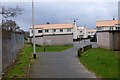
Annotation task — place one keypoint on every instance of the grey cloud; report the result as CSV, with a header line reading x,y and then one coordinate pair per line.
x,y
62,12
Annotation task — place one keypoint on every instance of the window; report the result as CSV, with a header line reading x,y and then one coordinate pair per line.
x,y
80,31
54,30
61,30
111,28
46,30
116,28
69,30
31,31
39,31
100,28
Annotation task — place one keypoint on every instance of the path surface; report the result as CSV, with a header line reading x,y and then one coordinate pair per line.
x,y
59,65
83,43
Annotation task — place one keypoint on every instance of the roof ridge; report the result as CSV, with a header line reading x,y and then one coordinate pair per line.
x,y
108,20
52,24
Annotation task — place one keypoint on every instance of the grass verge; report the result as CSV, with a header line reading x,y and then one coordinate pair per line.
x,y
102,62
21,67
53,48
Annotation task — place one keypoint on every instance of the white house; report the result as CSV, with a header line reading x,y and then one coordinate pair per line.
x,y
84,32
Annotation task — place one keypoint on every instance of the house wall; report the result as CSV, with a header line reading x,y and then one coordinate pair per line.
x,y
112,40
75,34
117,40
108,28
85,32
109,40
103,39
38,40
54,40
58,40
51,32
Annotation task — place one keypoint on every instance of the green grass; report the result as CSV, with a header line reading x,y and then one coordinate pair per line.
x,y
53,48
101,61
23,61
20,68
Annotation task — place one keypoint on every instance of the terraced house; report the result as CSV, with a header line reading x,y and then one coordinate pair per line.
x,y
53,34
108,34
84,32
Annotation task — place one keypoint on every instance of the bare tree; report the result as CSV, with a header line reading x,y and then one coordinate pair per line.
x,y
10,12
10,25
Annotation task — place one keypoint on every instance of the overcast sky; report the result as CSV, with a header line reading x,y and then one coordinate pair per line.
x,y
62,12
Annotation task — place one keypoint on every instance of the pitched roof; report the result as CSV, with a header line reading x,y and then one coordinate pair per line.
x,y
107,23
53,26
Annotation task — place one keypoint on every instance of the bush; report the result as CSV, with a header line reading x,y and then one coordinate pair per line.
x,y
79,52
85,48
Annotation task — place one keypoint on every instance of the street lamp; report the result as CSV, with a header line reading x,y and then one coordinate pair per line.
x,y
34,47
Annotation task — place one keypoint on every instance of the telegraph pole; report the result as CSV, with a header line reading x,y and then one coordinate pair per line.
x,y
34,47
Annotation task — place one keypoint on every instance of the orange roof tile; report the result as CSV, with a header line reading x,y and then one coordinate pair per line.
x,y
53,26
107,23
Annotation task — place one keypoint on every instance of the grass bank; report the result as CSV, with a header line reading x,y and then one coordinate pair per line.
x,y
102,62
21,67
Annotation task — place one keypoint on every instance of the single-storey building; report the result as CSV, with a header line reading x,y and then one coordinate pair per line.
x,y
108,34
53,34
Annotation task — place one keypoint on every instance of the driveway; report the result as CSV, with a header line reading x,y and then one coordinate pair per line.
x,y
59,65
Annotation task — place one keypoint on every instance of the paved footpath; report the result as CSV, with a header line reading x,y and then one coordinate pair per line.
x,y
59,65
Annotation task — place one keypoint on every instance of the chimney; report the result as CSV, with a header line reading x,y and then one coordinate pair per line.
x,y
113,18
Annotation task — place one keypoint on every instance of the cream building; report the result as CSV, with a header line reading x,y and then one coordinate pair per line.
x,y
84,32
108,25
53,34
